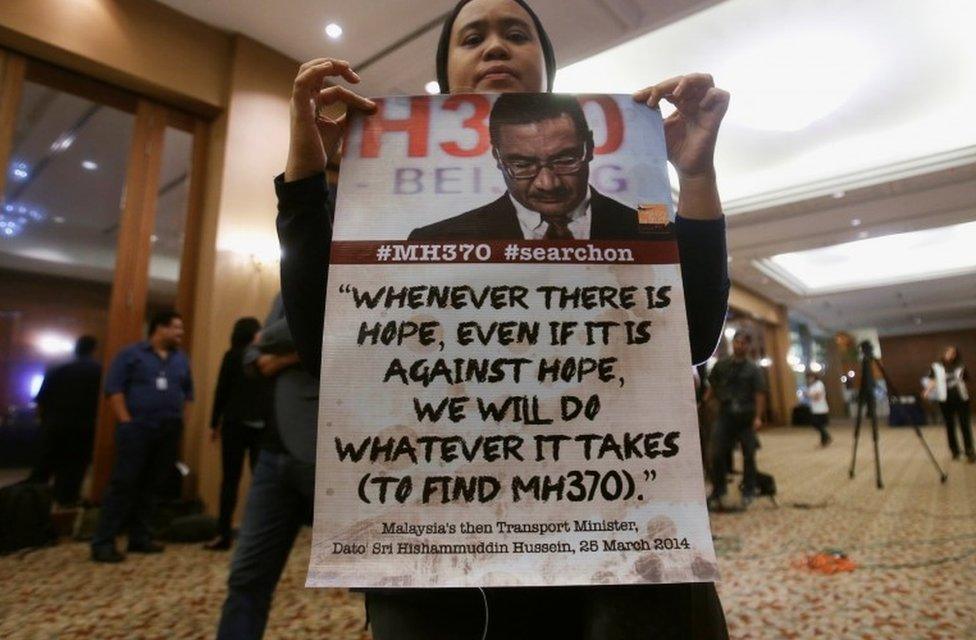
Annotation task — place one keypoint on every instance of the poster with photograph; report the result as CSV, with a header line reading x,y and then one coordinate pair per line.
x,y
507,393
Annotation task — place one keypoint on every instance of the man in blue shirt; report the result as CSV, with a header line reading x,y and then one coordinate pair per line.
x,y
148,386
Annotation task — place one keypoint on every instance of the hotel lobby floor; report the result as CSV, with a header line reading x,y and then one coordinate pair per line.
x,y
914,544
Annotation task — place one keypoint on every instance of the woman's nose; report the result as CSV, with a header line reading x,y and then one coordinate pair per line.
x,y
496,48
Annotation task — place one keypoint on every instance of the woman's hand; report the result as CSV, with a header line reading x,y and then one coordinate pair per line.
x,y
690,134
691,131
315,137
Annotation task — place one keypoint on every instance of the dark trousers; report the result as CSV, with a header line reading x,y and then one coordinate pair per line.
x,y
66,450
236,441
819,422
955,407
638,612
278,504
145,453
729,429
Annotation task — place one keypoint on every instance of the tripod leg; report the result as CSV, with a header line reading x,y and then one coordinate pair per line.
x,y
857,434
873,413
942,474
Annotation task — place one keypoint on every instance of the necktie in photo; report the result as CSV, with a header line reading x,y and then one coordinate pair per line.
x,y
558,228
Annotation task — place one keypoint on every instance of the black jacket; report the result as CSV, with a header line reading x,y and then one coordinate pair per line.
x,y
239,397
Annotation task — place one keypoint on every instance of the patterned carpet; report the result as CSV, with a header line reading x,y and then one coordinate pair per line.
x,y
914,544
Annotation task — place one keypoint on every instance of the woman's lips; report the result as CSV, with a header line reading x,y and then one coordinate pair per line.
x,y
497,73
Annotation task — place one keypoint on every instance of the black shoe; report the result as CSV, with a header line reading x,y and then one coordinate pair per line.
x,y
971,457
825,442
220,544
145,547
955,455
109,555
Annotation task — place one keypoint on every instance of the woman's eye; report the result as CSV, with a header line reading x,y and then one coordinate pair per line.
x,y
471,40
518,36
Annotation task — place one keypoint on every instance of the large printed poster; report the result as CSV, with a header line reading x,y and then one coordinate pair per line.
x,y
506,380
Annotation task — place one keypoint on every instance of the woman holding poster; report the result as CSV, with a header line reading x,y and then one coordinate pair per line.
x,y
500,46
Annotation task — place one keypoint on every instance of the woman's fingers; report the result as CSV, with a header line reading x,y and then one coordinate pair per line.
x,y
676,90
334,94
652,95
312,74
716,100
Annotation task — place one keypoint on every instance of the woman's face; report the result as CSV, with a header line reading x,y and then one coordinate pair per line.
x,y
949,354
495,47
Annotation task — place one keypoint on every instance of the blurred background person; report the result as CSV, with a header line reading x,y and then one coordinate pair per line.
x,y
148,386
740,387
947,385
816,394
240,413
67,405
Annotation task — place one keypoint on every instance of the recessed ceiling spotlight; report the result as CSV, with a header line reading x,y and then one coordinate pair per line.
x,y
62,143
153,238
58,219
432,87
89,165
862,235
333,30
838,194
856,222
19,171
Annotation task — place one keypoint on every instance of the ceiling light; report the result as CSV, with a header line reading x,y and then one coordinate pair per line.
x,y
862,235
837,195
333,30
856,222
19,171
905,257
62,143
850,374
89,165
816,367
154,238
766,362
58,219
432,87
765,104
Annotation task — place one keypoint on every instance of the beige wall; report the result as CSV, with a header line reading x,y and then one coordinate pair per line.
x,y
137,44
239,275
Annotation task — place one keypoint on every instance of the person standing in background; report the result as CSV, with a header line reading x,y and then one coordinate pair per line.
x,y
67,405
148,386
740,387
948,378
240,413
819,410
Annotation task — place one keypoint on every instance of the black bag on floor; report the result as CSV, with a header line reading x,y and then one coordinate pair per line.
x,y
766,485
25,517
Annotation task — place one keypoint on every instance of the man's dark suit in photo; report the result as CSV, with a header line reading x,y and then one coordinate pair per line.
x,y
498,220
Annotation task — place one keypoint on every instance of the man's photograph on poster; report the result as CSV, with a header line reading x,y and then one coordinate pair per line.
x,y
517,166
543,147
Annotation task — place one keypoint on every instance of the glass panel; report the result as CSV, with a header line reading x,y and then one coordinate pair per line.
x,y
59,221
170,226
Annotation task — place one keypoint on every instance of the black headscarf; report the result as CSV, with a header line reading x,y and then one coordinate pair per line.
x,y
444,45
